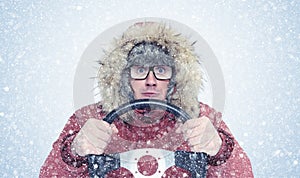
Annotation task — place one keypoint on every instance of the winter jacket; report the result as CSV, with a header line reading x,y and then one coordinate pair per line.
x,y
230,161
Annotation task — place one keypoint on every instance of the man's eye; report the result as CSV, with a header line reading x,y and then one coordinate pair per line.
x,y
161,70
141,70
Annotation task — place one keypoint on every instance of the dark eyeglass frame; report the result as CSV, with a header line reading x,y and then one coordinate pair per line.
x,y
151,69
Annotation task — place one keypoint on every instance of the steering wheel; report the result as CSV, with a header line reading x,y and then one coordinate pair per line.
x,y
194,162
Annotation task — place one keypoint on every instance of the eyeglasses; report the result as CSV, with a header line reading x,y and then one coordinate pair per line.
x,y
142,72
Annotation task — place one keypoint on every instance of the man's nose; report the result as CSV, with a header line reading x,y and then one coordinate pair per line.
x,y
151,80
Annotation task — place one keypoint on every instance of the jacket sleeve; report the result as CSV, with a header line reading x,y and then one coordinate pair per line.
x,y
231,160
61,162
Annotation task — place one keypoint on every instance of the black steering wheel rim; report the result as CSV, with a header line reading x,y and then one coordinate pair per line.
x,y
145,104
195,163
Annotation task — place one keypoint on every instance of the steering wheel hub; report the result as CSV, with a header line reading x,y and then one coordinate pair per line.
x,y
148,162
147,165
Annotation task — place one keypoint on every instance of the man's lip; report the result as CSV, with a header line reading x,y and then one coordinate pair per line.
x,y
149,94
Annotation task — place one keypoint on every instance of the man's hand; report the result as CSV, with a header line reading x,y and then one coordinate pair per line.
x,y
201,135
93,137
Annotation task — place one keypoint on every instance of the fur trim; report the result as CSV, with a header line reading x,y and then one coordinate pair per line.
x,y
187,65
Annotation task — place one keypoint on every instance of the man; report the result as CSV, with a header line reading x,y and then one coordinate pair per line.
x,y
149,61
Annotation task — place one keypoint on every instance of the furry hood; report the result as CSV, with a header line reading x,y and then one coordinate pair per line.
x,y
187,66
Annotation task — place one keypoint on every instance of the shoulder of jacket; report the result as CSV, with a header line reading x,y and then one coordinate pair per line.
x,y
214,116
89,111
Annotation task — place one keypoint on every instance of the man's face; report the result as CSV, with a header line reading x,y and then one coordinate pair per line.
x,y
150,88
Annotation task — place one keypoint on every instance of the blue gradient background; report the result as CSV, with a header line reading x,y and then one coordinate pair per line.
x,y
256,43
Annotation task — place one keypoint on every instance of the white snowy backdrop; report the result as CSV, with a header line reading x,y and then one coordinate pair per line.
x,y
256,43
